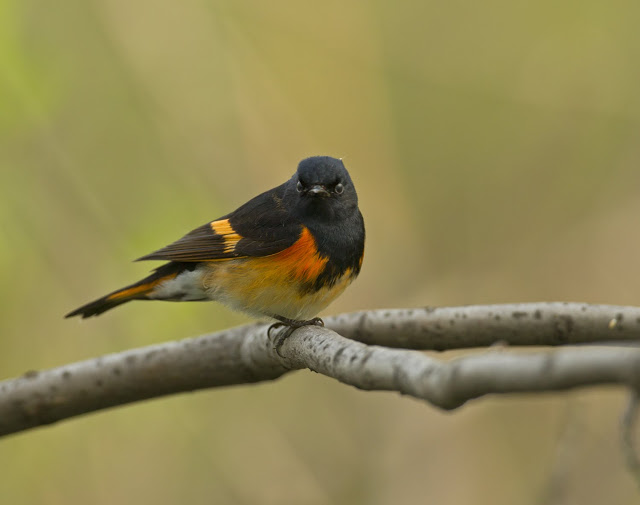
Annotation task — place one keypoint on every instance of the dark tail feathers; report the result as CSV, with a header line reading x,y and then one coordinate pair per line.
x,y
137,291
97,307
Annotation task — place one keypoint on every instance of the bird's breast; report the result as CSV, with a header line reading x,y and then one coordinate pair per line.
x,y
297,282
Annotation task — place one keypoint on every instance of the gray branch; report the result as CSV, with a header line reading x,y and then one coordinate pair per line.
x,y
445,328
245,355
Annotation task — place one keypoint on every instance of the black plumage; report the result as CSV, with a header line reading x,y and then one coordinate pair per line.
x,y
319,201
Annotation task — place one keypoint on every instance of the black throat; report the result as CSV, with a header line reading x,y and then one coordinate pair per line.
x,y
342,242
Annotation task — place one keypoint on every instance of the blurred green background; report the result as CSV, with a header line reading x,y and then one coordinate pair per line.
x,y
495,147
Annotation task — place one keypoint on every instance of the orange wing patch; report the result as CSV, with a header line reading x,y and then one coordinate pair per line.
x,y
229,235
276,284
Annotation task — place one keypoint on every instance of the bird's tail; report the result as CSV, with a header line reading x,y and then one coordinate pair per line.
x,y
138,291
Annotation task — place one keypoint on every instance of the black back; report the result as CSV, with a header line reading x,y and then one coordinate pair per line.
x,y
319,196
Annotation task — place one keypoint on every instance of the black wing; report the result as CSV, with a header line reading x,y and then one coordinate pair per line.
x,y
261,227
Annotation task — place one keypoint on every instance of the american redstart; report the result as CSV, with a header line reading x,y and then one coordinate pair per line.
x,y
285,254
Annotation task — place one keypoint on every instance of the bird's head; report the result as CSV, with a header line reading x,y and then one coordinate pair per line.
x,y
322,187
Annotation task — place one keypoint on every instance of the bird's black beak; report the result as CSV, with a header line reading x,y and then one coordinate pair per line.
x,y
318,190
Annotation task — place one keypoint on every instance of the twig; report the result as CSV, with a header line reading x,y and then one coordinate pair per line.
x,y
555,490
629,422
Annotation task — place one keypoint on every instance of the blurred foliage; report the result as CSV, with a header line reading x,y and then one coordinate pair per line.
x,y
495,149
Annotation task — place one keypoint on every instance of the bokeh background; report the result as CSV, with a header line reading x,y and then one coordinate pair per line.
x,y
495,146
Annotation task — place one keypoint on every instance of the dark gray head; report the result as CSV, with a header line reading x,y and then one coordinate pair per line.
x,y
323,188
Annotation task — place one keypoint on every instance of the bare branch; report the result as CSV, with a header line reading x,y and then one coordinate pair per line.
x,y
444,328
244,355
449,385
238,356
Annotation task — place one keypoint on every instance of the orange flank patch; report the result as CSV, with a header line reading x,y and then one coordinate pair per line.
x,y
229,235
140,289
302,258
276,284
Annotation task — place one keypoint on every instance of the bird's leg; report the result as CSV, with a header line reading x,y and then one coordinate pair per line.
x,y
292,325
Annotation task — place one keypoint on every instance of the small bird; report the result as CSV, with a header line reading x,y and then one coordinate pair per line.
x,y
285,254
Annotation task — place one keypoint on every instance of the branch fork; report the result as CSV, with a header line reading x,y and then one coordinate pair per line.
x,y
370,350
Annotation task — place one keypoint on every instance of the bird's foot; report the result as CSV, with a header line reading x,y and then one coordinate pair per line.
x,y
292,325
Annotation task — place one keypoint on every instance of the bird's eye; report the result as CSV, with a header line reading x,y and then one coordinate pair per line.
x,y
339,188
299,187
